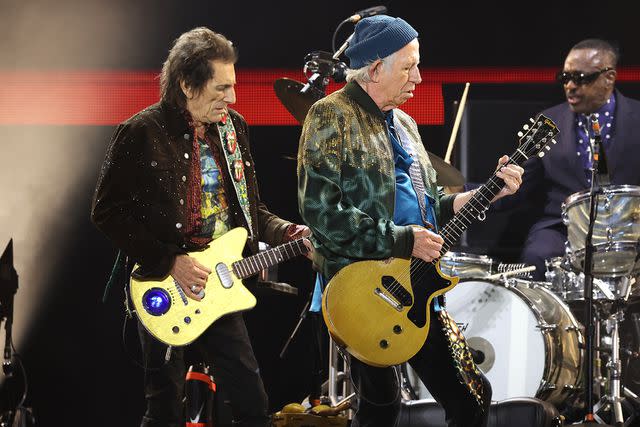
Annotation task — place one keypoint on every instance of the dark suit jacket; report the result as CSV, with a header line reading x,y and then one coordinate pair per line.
x,y
560,173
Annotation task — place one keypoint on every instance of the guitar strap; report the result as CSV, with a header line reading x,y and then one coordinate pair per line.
x,y
118,265
233,157
468,372
415,173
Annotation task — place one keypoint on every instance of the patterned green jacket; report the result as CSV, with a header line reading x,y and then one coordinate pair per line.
x,y
346,181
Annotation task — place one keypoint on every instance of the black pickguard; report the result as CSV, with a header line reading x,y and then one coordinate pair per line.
x,y
425,281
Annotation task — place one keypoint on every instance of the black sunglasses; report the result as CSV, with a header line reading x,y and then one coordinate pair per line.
x,y
578,77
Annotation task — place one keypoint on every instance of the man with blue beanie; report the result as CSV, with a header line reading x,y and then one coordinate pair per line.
x,y
364,182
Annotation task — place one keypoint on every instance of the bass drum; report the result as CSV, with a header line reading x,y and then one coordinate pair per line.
x,y
526,340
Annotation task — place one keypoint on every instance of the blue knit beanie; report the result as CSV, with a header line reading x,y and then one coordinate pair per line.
x,y
377,37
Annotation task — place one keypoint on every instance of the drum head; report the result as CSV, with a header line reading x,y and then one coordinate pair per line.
x,y
501,326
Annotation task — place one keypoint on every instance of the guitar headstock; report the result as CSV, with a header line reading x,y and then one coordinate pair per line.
x,y
537,136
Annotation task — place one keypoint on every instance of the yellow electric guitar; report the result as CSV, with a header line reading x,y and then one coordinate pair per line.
x,y
175,319
378,310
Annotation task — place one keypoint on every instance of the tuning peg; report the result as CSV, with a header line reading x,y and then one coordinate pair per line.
x,y
541,154
547,147
554,141
531,120
525,127
520,134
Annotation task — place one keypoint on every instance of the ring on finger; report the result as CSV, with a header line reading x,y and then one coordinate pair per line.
x,y
193,288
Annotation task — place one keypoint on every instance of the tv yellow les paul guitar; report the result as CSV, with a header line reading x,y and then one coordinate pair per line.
x,y
175,319
379,309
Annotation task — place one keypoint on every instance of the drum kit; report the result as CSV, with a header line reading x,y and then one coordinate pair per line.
x,y
525,335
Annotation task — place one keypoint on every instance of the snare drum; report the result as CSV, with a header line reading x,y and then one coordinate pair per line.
x,y
527,340
466,265
616,231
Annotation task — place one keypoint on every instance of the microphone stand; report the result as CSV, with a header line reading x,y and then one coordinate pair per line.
x,y
594,192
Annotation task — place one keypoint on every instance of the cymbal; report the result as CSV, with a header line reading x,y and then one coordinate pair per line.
x,y
447,175
295,101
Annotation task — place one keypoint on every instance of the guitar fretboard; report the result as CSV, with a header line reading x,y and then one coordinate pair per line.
x,y
531,144
254,264
475,208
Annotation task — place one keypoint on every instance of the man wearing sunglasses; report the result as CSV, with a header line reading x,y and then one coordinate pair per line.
x,y
588,79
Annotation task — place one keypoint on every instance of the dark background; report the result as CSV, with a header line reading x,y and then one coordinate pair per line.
x,y
79,354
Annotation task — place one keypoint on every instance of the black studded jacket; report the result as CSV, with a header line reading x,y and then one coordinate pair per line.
x,y
140,201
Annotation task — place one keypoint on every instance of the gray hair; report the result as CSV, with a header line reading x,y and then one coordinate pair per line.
x,y
361,74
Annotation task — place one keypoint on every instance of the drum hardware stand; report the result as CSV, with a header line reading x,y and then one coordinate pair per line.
x,y
595,190
301,317
339,378
614,400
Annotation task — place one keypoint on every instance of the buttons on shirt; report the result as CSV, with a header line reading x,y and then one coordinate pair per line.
x,y
184,178
154,163
178,225
187,136
186,155
182,201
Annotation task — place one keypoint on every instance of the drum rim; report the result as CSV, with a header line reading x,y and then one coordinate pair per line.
x,y
465,256
577,257
549,364
633,190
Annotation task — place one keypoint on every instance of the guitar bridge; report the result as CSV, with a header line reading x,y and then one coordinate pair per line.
x,y
183,297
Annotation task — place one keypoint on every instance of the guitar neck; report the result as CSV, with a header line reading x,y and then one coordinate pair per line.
x,y
252,265
476,207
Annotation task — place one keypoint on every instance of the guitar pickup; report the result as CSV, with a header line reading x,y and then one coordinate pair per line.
x,y
224,275
397,291
387,299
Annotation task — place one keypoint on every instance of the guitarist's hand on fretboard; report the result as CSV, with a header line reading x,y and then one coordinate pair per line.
x,y
309,246
511,175
426,244
298,231
190,275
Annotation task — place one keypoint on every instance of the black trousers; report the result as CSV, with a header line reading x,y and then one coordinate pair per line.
x,y
378,389
225,347
542,245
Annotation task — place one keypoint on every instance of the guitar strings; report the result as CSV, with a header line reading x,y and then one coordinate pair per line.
x,y
244,268
418,268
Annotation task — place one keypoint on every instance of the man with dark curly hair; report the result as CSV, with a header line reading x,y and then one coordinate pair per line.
x,y
178,175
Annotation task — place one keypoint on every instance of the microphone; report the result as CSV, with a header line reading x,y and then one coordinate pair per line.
x,y
375,10
599,154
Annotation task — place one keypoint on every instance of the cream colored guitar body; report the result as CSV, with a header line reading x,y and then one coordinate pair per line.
x,y
372,309
175,319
